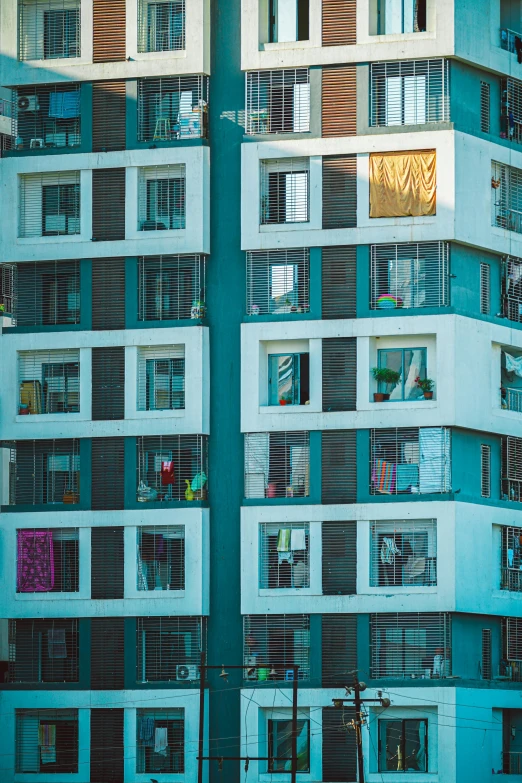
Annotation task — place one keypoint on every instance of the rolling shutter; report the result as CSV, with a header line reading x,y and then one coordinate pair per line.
x,y
107,653
108,383
339,649
108,205
107,562
339,282
108,301
339,101
108,116
107,464
340,191
339,22
108,31
107,752
339,550
340,374
339,746
339,467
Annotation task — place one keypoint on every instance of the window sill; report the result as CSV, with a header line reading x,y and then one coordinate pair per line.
x,y
170,413
49,417
278,410
51,596
406,404
268,592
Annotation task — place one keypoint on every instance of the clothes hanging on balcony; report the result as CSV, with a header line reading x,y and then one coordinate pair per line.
x,y
284,553
383,476
35,566
403,184
297,539
147,732
160,741
389,550
47,743
167,473
56,645
64,105
513,364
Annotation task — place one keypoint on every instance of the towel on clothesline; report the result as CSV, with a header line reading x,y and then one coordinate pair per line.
x,y
56,646
298,539
48,754
64,105
383,476
167,473
160,741
147,735
283,540
46,734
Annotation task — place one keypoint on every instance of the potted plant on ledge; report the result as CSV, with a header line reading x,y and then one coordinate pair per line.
x,y
387,376
426,386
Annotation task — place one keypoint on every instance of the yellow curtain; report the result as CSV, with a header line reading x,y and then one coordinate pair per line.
x,y
403,184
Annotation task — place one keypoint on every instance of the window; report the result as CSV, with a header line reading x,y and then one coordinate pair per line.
x,y
47,561
512,288
410,460
409,275
506,197
172,108
43,650
44,472
161,557
49,204
278,101
279,641
285,191
406,645
172,467
484,289
280,745
289,379
511,662
46,116
48,29
409,93
277,464
511,109
49,382
278,281
486,654
8,280
511,469
172,758
162,198
403,553
484,107
511,559
410,363
161,378
288,20
46,741
161,25
284,555
169,648
403,745
46,293
171,287
401,16
485,471
403,184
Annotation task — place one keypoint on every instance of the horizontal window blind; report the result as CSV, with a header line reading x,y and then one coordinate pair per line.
x,y
48,29
410,460
339,22
107,653
8,289
49,204
45,293
172,108
108,383
108,116
338,284
171,287
161,25
485,107
43,651
485,470
161,378
511,283
339,558
506,196
511,468
486,668
44,472
277,464
512,646
107,474
339,101
284,551
339,649
46,741
510,112
403,552
339,466
46,116
161,197
340,191
339,749
108,36
511,559
413,92
49,381
278,101
410,275
108,204
339,357
108,301
107,749
278,281
107,555
172,468
410,644
173,721
279,641
285,186
161,557
169,648
47,560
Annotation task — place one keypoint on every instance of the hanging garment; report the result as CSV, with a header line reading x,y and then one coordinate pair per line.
x,y
64,105
283,539
383,476
167,473
142,569
198,482
56,646
297,539
160,741
35,566
48,754
388,551
510,555
414,566
403,184
46,734
513,364
285,557
147,733
407,477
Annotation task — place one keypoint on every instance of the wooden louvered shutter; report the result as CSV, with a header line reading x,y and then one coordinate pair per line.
x,y
339,22
107,653
340,374
108,293
108,383
108,204
107,471
108,116
107,748
339,101
108,31
107,561
339,466
339,282
340,191
339,549
339,746
339,649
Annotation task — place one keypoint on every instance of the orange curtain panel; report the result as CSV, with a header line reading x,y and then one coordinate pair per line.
x,y
403,184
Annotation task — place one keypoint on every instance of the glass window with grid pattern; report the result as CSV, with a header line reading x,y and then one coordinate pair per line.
x,y
403,745
161,557
49,381
48,29
280,745
403,553
410,364
160,741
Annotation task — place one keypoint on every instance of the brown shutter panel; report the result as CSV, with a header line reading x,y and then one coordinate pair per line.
x,y
107,749
339,748
108,116
108,31
108,204
108,383
339,101
107,553
340,191
339,281
108,286
339,22
339,466
107,470
340,374
339,649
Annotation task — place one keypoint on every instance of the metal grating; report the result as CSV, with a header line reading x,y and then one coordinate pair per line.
x,y
43,651
147,721
161,25
410,460
107,653
506,196
108,285
48,29
338,466
339,649
47,560
339,23
172,108
512,288
339,358
44,293
46,116
485,470
108,204
44,472
107,757
107,463
108,34
340,191
171,287
511,469
285,186
34,750
8,289
278,281
49,204
485,288
511,559
278,101
485,102
161,378
169,648
403,552
108,383
339,750
161,197
278,641
414,92
284,555
510,109
161,557
48,381
410,645
338,285
339,101
511,664
409,275
172,468
486,666
277,464
339,558
108,116
107,555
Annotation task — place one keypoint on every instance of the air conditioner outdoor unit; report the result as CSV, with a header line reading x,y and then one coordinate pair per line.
x,y
28,103
184,672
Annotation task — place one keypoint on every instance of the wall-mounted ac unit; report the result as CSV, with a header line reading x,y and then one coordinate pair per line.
x,y
27,103
184,672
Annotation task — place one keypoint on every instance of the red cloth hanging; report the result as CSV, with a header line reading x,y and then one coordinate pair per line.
x,y
167,473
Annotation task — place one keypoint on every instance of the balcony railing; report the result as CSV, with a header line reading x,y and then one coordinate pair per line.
x,y
6,108
511,399
512,763
511,579
508,38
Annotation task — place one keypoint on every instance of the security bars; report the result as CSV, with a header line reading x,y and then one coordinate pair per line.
x,y
409,275
511,664
512,288
48,29
285,185
485,113
42,651
161,557
410,460
169,648
511,109
403,553
172,108
284,555
277,464
46,116
161,197
161,25
45,293
278,101
506,197
171,287
486,654
50,204
511,559
46,741
44,472
278,281
410,644
511,469
414,92
172,468
485,288
172,760
161,378
278,641
7,289
47,560
49,381
485,470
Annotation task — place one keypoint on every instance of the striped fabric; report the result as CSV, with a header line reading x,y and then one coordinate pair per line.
x,y
383,476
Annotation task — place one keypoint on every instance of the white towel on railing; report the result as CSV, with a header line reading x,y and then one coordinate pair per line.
x,y
160,741
297,539
513,364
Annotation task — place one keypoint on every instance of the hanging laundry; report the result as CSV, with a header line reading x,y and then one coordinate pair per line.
x,y
47,742
147,733
56,646
297,539
160,741
35,566
513,364
64,105
389,550
167,473
383,476
283,539
198,482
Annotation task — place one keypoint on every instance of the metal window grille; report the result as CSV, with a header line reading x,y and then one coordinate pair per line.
x,y
169,648
339,360
46,116
511,559
161,557
338,648
339,749
486,654
48,29
50,204
161,378
43,650
44,472
339,100
339,558
339,282
172,467
171,287
161,25
278,101
284,551
49,381
277,464
511,109
278,281
35,751
108,204
414,92
47,560
403,552
147,721
108,383
279,641
107,746
410,460
108,281
410,275
107,558
172,108
339,173
8,281
485,470
285,186
485,288
511,468
410,644
506,198
161,198
485,120
45,293
107,655
512,288
511,665
338,466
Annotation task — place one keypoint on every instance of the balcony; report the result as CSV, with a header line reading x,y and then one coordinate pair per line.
x,y
277,465
169,648
43,651
171,287
171,108
410,461
403,553
512,288
44,472
409,276
508,40
278,642
278,282
511,469
172,468
278,101
511,660
46,117
506,201
410,645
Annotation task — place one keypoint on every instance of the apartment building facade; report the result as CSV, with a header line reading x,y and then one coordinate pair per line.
x,y
261,307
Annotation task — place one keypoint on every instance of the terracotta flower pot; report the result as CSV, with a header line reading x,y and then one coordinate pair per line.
x,y
428,395
283,402
378,397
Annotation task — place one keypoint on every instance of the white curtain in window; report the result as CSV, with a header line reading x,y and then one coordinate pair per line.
x,y
256,464
296,193
301,108
434,467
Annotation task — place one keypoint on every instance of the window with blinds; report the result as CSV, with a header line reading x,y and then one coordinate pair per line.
x,y
285,186
48,29
161,198
414,92
277,464
403,552
511,288
161,25
511,664
511,469
339,358
49,204
278,641
44,472
506,196
410,644
169,648
410,460
161,378
485,123
278,281
108,31
48,381
172,468
46,116
409,275
161,557
45,293
510,110
338,23
485,470
338,466
511,559
278,101
486,667
339,649
284,552
8,290
339,558
171,287
485,288
47,560
172,108
172,720
46,741
339,191
43,651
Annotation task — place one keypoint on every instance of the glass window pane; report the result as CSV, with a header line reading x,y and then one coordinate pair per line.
x,y
282,379
280,742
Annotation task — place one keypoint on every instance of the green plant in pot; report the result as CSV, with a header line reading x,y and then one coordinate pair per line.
x,y
386,376
426,386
